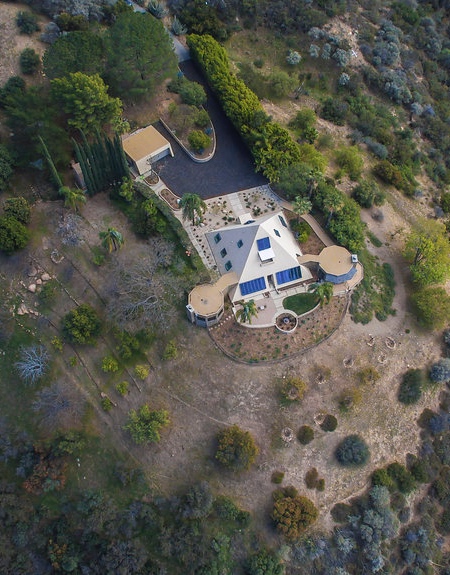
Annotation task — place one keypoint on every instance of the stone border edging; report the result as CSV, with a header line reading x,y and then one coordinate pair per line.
x,y
294,355
180,143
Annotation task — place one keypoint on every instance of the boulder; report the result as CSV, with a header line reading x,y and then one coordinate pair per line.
x,y
32,288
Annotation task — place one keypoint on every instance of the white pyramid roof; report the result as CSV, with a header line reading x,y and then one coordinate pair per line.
x,y
257,249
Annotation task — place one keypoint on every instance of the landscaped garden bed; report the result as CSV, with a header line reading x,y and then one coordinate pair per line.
x,y
170,198
269,344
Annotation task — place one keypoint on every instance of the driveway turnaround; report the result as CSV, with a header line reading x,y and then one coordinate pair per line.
x,y
230,170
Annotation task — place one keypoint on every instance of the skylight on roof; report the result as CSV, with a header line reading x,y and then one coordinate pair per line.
x,y
263,244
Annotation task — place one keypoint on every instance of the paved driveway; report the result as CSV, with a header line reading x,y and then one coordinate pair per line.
x,y
231,168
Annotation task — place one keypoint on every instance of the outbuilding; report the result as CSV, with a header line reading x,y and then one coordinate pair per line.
x,y
144,147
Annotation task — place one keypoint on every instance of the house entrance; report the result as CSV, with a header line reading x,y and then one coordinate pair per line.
x,y
270,281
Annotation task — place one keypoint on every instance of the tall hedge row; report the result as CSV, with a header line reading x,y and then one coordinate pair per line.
x,y
271,144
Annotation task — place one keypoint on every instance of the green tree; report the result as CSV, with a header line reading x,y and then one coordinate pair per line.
x,y
74,52
29,61
111,239
350,161
428,251
247,311
292,513
323,291
192,206
298,180
198,140
144,425
86,102
74,199
432,307
236,448
410,389
13,235
6,170
82,324
332,201
140,56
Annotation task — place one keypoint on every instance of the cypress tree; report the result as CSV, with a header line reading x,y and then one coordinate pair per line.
x,y
85,168
54,172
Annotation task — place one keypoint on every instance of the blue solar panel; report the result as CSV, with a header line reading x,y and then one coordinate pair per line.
x,y
288,275
263,244
252,286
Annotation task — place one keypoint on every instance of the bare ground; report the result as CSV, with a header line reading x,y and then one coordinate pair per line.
x,y
12,43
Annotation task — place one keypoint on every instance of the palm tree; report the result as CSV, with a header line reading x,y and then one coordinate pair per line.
x,y
111,239
324,291
247,311
300,206
73,199
333,202
192,206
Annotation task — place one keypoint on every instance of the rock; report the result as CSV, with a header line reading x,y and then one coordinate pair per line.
x,y
32,271
39,282
32,288
22,310
45,277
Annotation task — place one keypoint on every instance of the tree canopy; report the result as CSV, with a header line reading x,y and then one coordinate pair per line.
x,y
428,251
139,54
77,51
86,101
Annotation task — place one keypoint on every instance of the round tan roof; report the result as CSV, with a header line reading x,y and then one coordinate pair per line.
x,y
206,299
335,260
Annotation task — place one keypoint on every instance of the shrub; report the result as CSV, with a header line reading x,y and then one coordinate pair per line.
x,y
440,372
170,351
142,371
277,477
27,22
349,398
18,208
13,235
402,477
292,513
198,140
368,193
329,423
192,93
145,424
419,470
6,161
334,111
410,389
82,325
202,119
390,174
122,388
350,161
305,434
352,451
293,389
341,512
106,403
380,477
177,27
311,478
293,58
236,448
29,61
156,9
110,364
301,229
320,486
227,509
264,563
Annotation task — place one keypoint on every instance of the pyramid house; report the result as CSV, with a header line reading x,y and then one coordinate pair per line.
x,y
252,258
